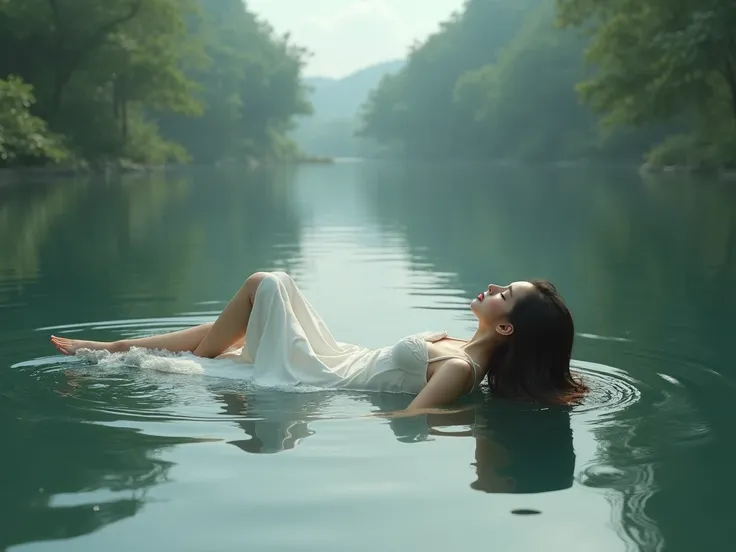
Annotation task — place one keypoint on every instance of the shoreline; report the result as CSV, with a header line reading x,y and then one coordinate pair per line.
x,y
18,174
684,170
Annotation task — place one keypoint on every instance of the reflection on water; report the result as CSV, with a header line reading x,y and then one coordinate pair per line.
x,y
106,452
509,442
62,479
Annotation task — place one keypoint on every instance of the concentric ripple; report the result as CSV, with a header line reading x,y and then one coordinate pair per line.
x,y
159,381
611,389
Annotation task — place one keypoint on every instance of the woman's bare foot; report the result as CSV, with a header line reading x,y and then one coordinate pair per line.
x,y
71,346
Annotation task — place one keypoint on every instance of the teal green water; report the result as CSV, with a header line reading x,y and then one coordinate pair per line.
x,y
120,458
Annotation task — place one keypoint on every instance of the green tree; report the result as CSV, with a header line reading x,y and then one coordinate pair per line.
x,y
656,58
152,80
250,86
89,61
663,60
24,138
499,81
415,109
54,38
525,105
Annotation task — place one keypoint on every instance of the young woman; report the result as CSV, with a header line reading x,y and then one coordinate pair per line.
x,y
522,346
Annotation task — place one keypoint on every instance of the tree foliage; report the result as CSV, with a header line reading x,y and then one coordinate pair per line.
x,y
250,86
663,60
415,109
154,80
562,79
524,105
656,58
497,81
24,138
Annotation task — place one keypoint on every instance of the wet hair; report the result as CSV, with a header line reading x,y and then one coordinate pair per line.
x,y
533,363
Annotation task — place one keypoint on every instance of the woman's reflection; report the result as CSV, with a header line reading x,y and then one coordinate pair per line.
x,y
517,448
275,426
523,450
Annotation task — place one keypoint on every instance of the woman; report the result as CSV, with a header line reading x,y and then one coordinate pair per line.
x,y
522,346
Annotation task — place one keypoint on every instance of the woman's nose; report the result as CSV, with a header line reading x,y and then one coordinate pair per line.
x,y
493,288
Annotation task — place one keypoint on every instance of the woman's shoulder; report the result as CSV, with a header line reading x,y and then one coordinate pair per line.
x,y
430,336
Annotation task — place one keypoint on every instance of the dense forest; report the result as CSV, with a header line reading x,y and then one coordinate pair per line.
x,y
85,82
149,81
546,80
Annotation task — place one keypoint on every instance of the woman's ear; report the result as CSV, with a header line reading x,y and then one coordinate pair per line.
x,y
505,329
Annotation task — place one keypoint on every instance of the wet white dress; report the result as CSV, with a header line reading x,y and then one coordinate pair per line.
x,y
288,344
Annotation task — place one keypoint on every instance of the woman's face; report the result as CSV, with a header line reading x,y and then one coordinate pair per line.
x,y
492,307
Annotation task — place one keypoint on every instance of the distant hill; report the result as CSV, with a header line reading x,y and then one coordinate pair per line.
x,y
329,131
341,98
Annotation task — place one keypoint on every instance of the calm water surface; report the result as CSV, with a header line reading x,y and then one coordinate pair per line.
x,y
125,457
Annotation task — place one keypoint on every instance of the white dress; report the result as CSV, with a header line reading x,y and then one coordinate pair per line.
x,y
288,344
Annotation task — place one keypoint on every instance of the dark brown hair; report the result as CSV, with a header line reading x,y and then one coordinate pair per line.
x,y
533,363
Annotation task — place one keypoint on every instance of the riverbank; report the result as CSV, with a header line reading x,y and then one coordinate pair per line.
x,y
18,174
315,160
684,170
110,170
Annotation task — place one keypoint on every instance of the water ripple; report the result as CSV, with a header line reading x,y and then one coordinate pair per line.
x,y
611,389
182,321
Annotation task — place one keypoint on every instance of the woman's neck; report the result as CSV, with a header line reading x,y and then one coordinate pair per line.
x,y
480,347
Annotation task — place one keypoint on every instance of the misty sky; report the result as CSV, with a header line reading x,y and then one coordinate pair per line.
x,y
345,35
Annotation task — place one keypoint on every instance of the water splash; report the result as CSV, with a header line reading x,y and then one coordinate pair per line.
x,y
160,361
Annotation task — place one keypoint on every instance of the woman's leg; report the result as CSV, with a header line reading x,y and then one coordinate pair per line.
x,y
230,326
208,340
180,341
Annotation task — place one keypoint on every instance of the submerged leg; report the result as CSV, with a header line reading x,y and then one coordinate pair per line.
x,y
230,326
179,341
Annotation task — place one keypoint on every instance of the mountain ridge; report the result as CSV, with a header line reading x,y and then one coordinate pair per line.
x,y
341,98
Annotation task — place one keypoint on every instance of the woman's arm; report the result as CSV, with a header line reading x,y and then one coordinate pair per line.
x,y
449,382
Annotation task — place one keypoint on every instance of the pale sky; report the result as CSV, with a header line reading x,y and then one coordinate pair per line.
x,y
345,35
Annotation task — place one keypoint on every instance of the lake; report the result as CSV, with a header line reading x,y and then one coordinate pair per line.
x,y
124,457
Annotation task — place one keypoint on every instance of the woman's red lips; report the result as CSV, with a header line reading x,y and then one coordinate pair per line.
x,y
480,297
